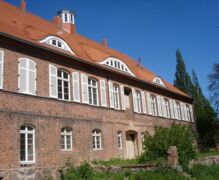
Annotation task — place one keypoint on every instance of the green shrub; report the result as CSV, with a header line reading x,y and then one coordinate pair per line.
x,y
78,173
156,146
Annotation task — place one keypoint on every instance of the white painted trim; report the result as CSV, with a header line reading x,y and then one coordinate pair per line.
x,y
2,69
65,46
119,63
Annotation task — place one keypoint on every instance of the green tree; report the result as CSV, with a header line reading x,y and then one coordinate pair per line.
x,y
214,86
183,80
205,116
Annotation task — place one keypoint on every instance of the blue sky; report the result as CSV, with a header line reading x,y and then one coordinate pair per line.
x,y
150,29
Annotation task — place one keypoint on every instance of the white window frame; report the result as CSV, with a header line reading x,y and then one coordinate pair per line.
x,y
119,139
138,100
91,89
154,108
62,79
159,81
2,69
27,70
142,140
64,45
188,113
66,133
97,138
167,107
26,132
116,96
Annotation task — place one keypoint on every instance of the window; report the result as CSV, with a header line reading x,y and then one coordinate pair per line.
x,y
63,85
167,107
158,81
66,139
188,113
178,110
93,91
119,139
57,42
153,105
27,145
138,99
117,64
27,76
96,135
116,96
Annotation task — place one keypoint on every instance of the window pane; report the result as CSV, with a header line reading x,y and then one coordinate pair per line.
x,y
32,82
22,147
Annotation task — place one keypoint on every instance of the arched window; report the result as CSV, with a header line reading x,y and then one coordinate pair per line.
x,y
138,100
178,110
117,64
188,113
119,139
167,107
153,104
116,96
63,85
97,140
57,42
158,81
27,144
27,76
66,139
93,91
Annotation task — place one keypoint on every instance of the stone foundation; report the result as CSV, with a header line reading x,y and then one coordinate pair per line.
x,y
30,173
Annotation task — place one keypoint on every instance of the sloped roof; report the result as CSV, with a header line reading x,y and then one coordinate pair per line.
x,y
24,25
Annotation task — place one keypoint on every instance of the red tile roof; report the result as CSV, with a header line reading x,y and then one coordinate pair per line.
x,y
24,25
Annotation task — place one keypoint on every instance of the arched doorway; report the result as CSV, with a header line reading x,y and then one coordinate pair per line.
x,y
131,144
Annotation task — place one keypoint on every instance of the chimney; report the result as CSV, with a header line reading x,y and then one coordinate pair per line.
x,y
23,5
68,21
104,43
57,20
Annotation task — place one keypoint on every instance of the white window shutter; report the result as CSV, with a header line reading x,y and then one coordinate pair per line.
x,y
22,75
182,111
76,86
122,97
1,68
134,100
163,107
32,77
192,114
159,105
149,103
111,94
84,88
53,87
103,93
143,102
172,114
175,110
98,95
185,112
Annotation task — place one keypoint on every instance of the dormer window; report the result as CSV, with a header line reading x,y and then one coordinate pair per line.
x,y
117,64
158,81
67,16
57,42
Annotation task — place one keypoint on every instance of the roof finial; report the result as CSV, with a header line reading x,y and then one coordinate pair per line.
x,y
104,43
23,5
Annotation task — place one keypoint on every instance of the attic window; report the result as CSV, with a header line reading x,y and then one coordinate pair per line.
x,y
117,64
159,81
57,42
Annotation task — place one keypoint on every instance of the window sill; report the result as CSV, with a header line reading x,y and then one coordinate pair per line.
x,y
27,164
66,150
28,93
98,149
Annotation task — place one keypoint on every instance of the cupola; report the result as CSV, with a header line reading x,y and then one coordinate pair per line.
x,y
68,20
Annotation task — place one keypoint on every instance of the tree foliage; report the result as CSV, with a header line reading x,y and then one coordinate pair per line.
x,y
156,146
214,86
203,111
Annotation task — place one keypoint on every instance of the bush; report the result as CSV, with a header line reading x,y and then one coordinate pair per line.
x,y
156,146
82,172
